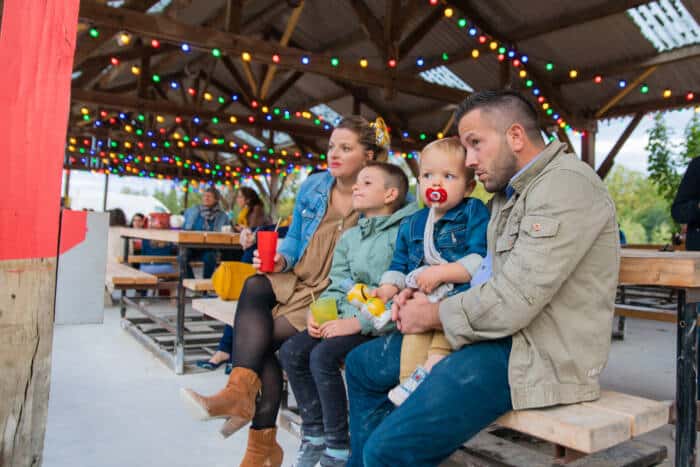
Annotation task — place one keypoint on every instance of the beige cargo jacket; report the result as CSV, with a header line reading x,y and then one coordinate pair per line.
x,y
556,254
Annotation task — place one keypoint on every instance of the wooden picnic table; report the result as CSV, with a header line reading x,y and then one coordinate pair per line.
x,y
679,270
185,240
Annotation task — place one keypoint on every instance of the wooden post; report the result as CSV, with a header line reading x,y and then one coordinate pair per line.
x,y
36,35
104,198
588,144
187,193
66,190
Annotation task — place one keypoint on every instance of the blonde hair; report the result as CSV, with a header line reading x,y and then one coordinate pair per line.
x,y
449,145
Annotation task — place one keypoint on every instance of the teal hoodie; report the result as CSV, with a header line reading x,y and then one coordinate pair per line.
x,y
362,255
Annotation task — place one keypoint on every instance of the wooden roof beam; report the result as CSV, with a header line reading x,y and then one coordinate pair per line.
x,y
623,92
284,87
420,31
370,24
86,48
286,36
572,18
121,101
610,158
656,105
469,9
169,30
689,52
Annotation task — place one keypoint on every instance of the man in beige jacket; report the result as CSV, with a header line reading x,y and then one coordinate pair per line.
x,y
534,329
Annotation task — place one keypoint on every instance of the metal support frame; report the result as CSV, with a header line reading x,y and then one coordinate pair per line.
x,y
686,377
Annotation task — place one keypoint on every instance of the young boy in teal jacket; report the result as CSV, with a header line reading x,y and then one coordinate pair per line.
x,y
313,358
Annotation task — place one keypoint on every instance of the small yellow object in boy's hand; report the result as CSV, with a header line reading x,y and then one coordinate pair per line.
x,y
429,279
375,306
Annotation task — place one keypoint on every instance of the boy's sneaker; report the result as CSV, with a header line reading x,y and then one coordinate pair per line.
x,y
329,461
400,393
308,454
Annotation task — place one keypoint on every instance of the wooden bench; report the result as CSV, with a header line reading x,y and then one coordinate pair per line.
x,y
224,311
198,285
141,259
122,277
598,433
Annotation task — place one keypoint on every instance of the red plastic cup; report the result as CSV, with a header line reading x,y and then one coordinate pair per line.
x,y
267,248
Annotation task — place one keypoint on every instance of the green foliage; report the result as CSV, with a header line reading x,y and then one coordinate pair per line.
x,y
691,145
644,215
662,162
174,199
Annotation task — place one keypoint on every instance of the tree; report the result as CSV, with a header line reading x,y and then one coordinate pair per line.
x,y
662,163
691,145
644,215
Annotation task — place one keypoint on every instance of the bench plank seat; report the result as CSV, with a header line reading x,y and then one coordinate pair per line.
x,y
224,311
198,285
140,259
121,275
590,426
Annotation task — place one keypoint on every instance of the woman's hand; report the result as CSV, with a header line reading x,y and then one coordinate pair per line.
x,y
247,238
280,262
312,326
340,327
429,279
385,292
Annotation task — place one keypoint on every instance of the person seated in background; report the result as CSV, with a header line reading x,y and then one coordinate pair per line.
x,y
250,217
138,221
156,248
686,206
252,210
207,216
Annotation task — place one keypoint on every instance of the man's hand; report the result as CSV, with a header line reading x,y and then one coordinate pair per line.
x,y
313,327
418,315
340,327
399,301
429,279
385,292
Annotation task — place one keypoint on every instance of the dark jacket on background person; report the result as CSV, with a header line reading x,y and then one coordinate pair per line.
x,y
686,207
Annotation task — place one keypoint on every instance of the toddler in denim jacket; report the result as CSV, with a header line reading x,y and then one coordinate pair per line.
x,y
438,250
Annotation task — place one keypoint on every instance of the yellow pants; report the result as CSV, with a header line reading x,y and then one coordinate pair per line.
x,y
416,348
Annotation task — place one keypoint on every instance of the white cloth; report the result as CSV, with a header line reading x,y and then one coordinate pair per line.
x,y
431,257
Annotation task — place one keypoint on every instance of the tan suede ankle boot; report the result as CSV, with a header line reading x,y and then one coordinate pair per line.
x,y
236,402
262,450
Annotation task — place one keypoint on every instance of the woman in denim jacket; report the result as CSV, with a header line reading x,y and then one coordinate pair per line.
x,y
273,307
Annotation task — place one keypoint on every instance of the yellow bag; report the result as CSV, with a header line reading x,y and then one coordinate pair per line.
x,y
229,277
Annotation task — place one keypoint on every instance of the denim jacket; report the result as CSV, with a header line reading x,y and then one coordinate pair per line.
x,y
460,236
194,220
309,209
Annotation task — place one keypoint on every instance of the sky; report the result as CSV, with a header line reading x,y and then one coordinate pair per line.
x,y
84,185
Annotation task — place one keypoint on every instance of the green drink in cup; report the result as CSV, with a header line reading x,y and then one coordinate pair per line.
x,y
324,309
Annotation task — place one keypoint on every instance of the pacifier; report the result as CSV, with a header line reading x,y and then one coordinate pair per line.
x,y
436,195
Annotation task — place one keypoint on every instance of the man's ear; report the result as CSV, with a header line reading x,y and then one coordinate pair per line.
x,y
516,137
390,195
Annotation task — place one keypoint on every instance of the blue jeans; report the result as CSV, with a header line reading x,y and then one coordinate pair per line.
x,y
208,257
226,342
464,393
313,369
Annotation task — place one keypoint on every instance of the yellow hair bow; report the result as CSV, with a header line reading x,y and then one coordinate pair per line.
x,y
381,132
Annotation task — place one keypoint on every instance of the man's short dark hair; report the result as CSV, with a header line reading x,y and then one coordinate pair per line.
x,y
512,105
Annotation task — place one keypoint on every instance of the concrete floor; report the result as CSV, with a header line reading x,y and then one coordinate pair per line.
x,y
113,404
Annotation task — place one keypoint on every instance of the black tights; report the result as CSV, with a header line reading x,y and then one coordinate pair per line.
x,y
257,336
